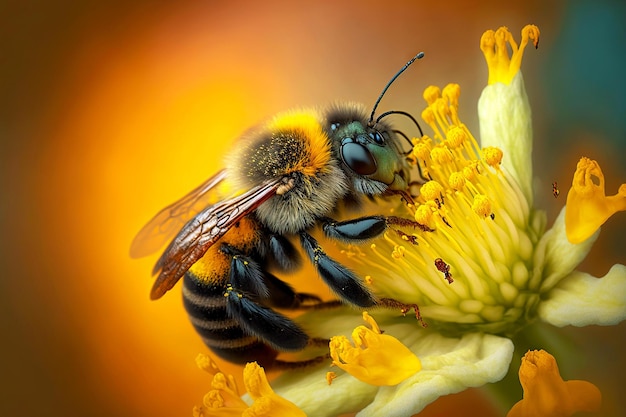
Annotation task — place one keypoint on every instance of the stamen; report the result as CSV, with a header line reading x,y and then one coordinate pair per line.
x,y
587,206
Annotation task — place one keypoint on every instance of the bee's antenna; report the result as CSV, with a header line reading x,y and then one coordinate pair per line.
x,y
403,113
418,56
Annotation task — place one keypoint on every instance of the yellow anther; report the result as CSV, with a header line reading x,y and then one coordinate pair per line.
x,y
455,137
451,93
456,181
431,190
587,206
428,116
441,155
424,215
368,279
545,392
375,358
422,151
503,68
481,205
431,93
492,155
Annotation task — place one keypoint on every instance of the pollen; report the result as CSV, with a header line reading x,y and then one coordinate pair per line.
x,y
588,207
431,93
482,205
424,215
431,190
456,137
457,181
492,155
441,155
422,149
373,357
502,67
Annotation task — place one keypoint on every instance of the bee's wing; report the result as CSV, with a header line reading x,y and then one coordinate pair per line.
x,y
203,231
167,222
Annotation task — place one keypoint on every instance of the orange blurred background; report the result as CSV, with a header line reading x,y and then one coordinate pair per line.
x,y
112,110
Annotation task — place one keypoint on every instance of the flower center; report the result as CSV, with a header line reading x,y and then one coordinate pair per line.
x,y
478,220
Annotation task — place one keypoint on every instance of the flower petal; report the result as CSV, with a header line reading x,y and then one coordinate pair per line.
x,y
505,122
545,392
558,256
449,366
581,299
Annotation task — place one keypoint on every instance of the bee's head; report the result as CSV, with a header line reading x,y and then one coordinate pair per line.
x,y
370,155
368,148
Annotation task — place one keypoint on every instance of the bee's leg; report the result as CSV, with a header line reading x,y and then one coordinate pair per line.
x,y
339,278
283,253
245,289
364,228
282,295
278,331
359,229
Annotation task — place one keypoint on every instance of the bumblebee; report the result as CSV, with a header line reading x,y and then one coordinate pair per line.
x,y
295,171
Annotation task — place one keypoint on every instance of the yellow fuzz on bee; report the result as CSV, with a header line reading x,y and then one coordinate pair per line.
x,y
545,392
375,358
308,127
588,207
224,399
503,68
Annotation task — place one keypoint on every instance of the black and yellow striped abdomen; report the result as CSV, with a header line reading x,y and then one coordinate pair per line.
x,y
206,305
206,288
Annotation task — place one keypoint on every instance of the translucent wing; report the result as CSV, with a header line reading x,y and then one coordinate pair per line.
x,y
167,222
201,232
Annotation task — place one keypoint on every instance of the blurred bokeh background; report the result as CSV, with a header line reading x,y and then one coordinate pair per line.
x,y
110,110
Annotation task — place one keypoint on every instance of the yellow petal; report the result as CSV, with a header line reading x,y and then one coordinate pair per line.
x,y
375,358
545,392
587,205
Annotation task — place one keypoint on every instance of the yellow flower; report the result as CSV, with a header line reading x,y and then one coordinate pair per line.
x,y
484,267
375,358
545,392
225,400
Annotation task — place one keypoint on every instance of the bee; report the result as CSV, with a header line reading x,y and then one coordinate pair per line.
x,y
294,172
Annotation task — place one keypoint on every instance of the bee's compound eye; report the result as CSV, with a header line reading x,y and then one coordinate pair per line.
x,y
358,158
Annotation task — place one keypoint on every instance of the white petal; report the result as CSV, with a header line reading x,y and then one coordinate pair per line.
x,y
557,255
505,122
581,299
448,366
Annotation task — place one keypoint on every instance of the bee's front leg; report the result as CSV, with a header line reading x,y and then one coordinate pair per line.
x,y
365,228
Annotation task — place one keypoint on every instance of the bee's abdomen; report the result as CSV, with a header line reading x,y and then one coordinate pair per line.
x,y
206,305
